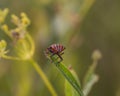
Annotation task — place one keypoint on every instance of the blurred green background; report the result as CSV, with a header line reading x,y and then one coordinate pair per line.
x,y
61,21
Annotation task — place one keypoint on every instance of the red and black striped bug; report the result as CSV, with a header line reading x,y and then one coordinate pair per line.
x,y
56,49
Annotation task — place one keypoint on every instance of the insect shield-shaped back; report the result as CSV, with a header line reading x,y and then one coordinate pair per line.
x,y
55,49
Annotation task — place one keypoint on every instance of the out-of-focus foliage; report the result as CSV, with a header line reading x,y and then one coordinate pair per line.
x,y
61,21
23,46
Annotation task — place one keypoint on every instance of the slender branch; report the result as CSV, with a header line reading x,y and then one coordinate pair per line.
x,y
43,76
31,44
10,57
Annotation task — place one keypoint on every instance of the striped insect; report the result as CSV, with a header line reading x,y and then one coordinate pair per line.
x,y
56,49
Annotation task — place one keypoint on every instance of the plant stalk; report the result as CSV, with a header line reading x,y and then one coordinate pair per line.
x,y
43,76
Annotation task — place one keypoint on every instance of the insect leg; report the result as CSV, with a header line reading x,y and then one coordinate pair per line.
x,y
62,53
60,57
51,57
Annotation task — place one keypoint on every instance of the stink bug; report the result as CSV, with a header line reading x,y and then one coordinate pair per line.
x,y
56,49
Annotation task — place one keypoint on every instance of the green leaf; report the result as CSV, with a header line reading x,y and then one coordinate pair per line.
x,y
68,75
69,90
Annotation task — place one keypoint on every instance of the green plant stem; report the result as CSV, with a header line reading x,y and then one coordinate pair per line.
x,y
10,57
31,44
68,75
43,76
87,4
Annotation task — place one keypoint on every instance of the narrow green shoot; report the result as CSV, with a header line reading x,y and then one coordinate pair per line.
x,y
69,90
68,75
87,4
91,78
43,76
